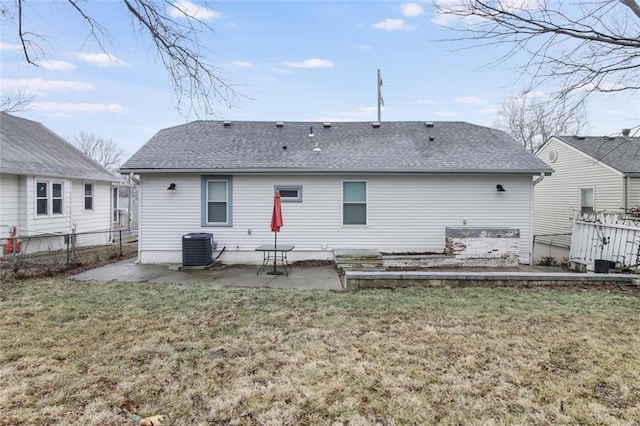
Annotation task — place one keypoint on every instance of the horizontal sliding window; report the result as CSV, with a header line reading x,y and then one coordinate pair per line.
x,y
290,193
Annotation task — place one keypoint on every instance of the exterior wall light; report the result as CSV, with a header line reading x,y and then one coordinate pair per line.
x,y
172,187
500,188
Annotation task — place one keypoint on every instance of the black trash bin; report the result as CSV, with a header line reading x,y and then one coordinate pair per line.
x,y
601,266
197,249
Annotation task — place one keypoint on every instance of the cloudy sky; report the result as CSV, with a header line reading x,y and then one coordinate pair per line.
x,y
289,61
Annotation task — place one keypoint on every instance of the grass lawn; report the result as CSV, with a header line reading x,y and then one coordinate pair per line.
x,y
78,353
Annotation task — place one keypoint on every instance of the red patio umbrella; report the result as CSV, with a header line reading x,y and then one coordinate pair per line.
x,y
276,224
276,216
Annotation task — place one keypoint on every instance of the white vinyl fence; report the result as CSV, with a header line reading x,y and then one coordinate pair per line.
x,y
606,236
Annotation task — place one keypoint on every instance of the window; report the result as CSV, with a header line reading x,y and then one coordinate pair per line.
x,y
290,193
49,198
56,198
216,201
354,203
88,196
586,201
42,200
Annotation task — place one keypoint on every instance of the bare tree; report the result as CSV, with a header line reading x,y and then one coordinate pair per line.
x,y
585,46
105,152
533,122
12,102
171,26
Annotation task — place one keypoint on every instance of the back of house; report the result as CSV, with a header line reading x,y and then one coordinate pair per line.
x,y
395,187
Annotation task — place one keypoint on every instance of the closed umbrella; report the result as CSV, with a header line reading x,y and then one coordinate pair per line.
x,y
276,224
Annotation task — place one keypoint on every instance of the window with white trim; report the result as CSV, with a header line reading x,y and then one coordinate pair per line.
x,y
56,198
587,201
42,199
290,193
88,196
354,203
217,202
49,198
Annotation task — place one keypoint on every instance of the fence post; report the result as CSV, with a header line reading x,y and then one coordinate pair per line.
x,y
67,239
120,231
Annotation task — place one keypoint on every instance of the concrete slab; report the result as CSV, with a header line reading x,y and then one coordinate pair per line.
x,y
301,277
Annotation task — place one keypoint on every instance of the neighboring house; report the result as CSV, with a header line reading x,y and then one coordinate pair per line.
x,y
47,186
125,203
592,174
391,186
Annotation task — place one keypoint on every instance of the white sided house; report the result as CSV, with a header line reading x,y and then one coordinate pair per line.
x,y
49,188
592,174
395,187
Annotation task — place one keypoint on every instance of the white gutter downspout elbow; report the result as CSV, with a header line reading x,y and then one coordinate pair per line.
x,y
538,179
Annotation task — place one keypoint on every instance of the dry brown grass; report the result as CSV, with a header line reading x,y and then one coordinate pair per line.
x,y
76,353
33,266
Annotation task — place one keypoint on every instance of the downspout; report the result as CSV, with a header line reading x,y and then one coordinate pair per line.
x,y
538,179
138,217
533,238
627,201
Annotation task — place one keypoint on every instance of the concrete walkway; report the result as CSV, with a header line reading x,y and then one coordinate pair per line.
x,y
302,277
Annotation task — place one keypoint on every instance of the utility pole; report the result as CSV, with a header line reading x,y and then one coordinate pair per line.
x,y
380,100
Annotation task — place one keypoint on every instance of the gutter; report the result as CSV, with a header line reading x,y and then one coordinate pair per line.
x,y
341,171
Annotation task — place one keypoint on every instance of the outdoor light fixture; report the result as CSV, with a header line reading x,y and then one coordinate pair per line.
x,y
500,188
172,187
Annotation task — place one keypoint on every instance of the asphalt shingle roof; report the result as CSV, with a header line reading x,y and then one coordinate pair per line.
x,y
344,146
28,147
623,154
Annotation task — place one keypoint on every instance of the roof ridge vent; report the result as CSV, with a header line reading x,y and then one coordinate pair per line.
x,y
580,138
326,125
428,124
279,124
375,124
226,123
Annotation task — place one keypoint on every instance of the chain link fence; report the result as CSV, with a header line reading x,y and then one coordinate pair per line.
x,y
33,255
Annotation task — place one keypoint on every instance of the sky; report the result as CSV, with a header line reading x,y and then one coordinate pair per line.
x,y
287,60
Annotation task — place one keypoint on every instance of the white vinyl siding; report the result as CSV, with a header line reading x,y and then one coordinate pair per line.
x,y
10,212
405,213
634,196
558,196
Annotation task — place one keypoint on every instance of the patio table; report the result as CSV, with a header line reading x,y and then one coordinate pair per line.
x,y
271,253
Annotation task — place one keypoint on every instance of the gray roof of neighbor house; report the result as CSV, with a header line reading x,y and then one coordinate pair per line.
x,y
27,147
621,153
260,146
